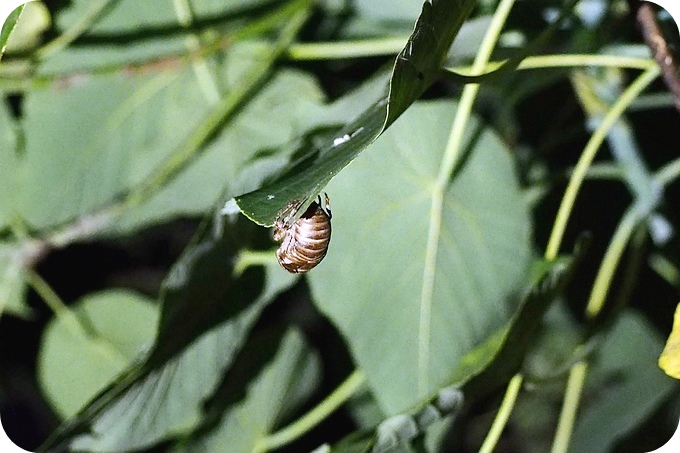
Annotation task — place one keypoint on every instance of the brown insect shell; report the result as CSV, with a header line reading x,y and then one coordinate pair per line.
x,y
305,242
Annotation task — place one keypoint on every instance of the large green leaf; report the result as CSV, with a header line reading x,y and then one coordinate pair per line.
x,y
131,15
412,284
280,387
286,105
90,141
388,9
12,285
207,314
169,400
479,372
415,68
8,165
87,141
74,364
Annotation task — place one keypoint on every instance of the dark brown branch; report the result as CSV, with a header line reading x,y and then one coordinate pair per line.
x,y
651,32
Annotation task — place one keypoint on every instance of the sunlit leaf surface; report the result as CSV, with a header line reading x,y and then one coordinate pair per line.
x,y
484,368
412,300
74,365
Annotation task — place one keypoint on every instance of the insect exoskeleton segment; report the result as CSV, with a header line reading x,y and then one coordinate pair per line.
x,y
305,241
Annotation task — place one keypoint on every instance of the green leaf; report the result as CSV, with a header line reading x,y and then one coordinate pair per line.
x,y
412,302
290,102
87,142
8,26
131,15
74,365
107,134
8,166
388,10
145,149
282,385
416,67
479,372
206,318
12,285
624,385
187,381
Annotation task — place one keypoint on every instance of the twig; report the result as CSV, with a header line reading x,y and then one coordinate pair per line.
x,y
651,32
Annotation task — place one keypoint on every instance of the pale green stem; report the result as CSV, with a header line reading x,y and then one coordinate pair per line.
x,y
392,46
205,79
611,260
668,173
564,61
315,416
666,269
588,155
572,397
346,49
503,414
54,302
249,258
453,149
79,27
70,320
612,257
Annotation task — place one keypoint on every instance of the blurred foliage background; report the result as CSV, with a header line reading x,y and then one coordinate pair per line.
x,y
141,310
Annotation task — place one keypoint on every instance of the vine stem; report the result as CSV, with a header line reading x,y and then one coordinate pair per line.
x,y
337,51
54,302
89,18
247,258
596,300
346,49
224,109
315,416
205,79
578,372
611,260
572,397
588,155
451,153
503,414
71,322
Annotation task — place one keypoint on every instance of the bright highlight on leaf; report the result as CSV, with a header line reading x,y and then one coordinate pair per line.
x,y
670,357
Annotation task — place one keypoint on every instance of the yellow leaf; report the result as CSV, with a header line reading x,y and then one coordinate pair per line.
x,y
670,357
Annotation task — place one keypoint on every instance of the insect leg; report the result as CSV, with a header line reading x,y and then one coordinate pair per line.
x,y
328,204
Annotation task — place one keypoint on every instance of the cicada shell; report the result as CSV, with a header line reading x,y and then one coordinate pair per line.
x,y
304,243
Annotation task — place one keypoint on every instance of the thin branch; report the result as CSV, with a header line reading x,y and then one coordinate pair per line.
x,y
319,413
651,32
503,414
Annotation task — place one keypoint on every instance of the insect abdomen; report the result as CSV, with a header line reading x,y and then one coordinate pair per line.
x,y
306,242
